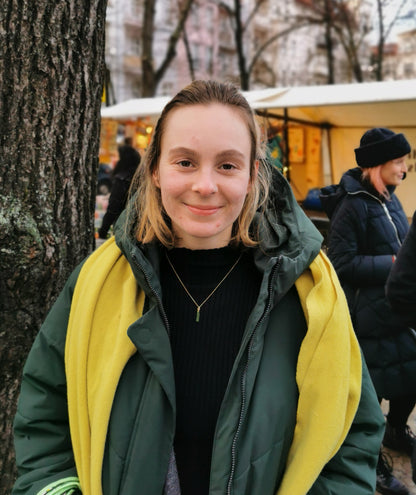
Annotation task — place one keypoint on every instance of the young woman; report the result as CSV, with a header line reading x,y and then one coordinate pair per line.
x,y
368,226
195,352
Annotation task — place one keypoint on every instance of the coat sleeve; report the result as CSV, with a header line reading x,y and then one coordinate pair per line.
x,y
44,457
401,284
353,468
347,247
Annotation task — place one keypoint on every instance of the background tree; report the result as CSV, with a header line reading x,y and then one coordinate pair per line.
x,y
350,23
341,22
240,26
352,27
387,17
151,76
52,70
241,21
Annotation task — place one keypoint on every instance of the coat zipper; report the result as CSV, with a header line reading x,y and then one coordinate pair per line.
x,y
244,377
386,211
391,221
152,289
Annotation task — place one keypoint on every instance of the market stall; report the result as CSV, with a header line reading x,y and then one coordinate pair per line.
x,y
341,114
134,118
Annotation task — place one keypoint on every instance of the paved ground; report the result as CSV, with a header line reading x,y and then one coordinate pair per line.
x,y
401,464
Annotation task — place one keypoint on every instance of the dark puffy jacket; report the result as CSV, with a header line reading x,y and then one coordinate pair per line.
x,y
365,232
401,284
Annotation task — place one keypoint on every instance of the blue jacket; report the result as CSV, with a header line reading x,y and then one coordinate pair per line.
x,y
366,231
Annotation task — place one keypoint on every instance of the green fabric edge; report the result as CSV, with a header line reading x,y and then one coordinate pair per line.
x,y
65,486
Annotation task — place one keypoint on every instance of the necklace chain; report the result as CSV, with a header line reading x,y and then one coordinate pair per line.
x,y
199,306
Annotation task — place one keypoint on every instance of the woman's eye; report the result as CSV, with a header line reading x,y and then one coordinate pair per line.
x,y
227,166
185,163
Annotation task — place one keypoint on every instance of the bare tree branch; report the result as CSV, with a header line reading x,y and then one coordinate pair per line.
x,y
253,13
151,77
173,40
271,40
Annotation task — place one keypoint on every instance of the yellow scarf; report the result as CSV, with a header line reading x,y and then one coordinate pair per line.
x,y
328,376
107,300
105,303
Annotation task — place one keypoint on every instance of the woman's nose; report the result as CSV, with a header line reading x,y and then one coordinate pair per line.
x,y
205,182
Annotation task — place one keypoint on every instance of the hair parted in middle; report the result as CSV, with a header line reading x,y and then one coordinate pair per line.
x,y
152,221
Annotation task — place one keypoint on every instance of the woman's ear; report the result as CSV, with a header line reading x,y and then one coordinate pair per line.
x,y
254,176
155,177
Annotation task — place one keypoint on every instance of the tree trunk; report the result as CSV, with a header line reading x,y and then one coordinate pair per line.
x,y
239,43
380,45
151,76
328,18
189,56
148,72
52,54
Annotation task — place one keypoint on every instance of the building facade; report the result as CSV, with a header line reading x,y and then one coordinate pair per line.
x,y
285,43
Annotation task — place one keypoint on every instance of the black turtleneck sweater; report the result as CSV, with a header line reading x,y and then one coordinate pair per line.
x,y
204,351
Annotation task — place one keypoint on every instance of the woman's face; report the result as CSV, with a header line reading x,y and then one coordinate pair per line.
x,y
204,173
392,172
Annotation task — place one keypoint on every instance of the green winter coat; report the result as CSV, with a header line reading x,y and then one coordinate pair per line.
x,y
255,427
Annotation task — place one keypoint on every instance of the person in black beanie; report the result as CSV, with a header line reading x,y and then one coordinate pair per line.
x,y
367,228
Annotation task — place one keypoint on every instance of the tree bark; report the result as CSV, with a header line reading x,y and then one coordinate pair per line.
x,y
52,56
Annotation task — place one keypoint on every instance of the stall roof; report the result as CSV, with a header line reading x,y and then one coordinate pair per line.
x,y
152,107
387,103
135,108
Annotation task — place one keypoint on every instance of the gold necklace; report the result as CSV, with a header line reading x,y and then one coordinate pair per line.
x,y
199,306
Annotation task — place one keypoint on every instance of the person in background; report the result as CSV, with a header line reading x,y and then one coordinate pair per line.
x,y
401,291
122,176
367,228
401,284
194,351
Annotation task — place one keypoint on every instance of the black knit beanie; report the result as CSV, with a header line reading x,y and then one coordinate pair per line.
x,y
380,145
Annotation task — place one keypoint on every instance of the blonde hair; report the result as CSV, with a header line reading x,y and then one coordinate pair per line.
x,y
373,175
152,220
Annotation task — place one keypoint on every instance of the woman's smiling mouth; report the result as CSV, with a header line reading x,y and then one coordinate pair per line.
x,y
203,210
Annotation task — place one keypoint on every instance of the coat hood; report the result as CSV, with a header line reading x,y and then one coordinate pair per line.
x,y
285,230
331,196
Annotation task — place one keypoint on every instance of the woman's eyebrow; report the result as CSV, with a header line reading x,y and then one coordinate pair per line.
x,y
181,150
222,155
231,153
